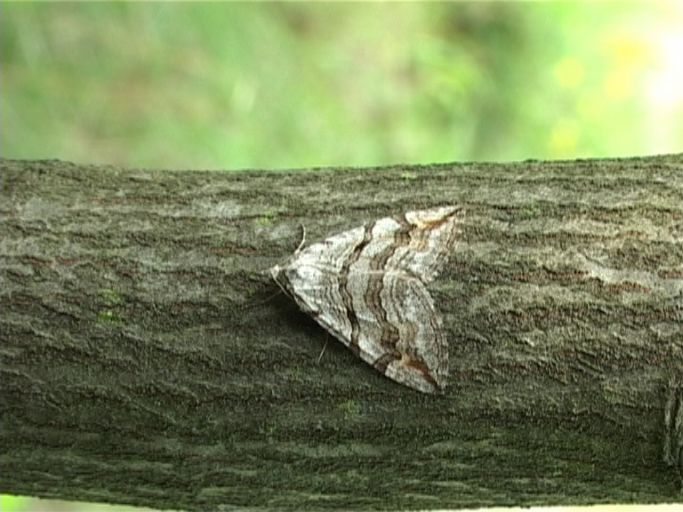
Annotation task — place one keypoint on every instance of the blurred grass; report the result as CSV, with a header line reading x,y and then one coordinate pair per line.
x,y
230,85
268,85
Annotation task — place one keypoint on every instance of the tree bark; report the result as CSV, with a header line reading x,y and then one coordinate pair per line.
x,y
148,358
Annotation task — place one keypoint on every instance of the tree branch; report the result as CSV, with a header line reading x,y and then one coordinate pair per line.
x,y
144,358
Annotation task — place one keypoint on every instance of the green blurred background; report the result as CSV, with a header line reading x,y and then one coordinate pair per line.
x,y
226,86
282,85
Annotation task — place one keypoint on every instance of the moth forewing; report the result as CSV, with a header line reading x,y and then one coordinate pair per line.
x,y
366,286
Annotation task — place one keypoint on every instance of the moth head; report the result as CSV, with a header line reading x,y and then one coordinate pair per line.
x,y
280,274
292,276
275,271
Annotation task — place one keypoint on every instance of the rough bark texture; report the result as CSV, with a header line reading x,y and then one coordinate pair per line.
x,y
146,360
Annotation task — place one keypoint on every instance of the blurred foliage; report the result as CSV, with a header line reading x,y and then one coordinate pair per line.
x,y
23,504
230,85
14,503
270,85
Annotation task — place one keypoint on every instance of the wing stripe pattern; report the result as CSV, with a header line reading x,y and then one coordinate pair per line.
x,y
345,293
390,333
366,286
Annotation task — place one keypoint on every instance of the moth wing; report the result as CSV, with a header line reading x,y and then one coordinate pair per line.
x,y
366,286
418,242
401,334
397,331
316,290
433,236
331,253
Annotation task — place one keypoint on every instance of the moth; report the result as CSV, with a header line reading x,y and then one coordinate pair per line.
x,y
366,286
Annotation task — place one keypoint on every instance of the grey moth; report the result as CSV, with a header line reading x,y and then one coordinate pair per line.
x,y
366,286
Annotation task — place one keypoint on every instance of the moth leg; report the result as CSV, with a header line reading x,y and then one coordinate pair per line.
x,y
323,350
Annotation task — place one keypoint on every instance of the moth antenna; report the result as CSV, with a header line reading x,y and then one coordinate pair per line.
x,y
282,289
296,251
303,239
